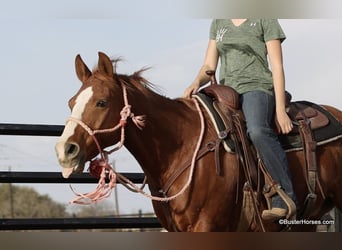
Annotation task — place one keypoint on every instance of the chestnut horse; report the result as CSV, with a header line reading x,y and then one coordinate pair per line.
x,y
167,142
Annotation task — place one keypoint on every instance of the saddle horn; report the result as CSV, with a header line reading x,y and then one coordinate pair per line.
x,y
211,73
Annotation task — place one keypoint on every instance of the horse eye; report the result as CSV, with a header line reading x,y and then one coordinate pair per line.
x,y
101,104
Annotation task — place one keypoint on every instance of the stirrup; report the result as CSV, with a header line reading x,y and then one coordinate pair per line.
x,y
274,214
276,189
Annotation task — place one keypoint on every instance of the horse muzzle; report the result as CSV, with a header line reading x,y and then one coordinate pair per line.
x,y
70,158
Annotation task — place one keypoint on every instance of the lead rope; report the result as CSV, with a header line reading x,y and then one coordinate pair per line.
x,y
100,167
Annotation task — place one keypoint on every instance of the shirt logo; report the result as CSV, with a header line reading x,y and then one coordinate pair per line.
x,y
220,33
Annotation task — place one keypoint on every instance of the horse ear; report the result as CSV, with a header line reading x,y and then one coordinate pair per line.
x,y
105,65
82,71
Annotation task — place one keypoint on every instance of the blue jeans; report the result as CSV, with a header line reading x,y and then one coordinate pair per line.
x,y
259,108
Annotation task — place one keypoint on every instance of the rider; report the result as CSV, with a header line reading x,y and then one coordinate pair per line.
x,y
242,45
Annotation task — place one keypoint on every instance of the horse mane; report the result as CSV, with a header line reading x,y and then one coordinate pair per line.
x,y
137,80
133,81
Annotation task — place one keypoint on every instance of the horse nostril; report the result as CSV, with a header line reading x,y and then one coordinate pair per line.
x,y
71,149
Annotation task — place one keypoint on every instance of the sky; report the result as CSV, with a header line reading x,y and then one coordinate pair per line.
x,y
37,74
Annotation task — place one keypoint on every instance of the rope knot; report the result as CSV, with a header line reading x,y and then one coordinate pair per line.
x,y
125,112
96,166
123,122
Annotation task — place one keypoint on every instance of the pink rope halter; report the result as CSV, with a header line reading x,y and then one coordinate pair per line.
x,y
100,167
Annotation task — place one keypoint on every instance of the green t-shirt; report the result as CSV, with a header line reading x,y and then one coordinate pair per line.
x,y
243,53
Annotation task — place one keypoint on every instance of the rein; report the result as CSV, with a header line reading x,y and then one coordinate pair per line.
x,y
100,167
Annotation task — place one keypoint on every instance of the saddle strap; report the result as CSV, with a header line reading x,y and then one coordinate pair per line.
x,y
247,157
311,163
310,153
309,148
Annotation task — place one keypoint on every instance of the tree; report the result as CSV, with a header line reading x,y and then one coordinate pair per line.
x,y
25,202
99,209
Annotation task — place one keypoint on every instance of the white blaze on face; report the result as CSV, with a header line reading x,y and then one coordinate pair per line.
x,y
77,111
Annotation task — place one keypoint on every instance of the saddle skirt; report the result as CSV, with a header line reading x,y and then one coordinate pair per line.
x,y
324,126
219,100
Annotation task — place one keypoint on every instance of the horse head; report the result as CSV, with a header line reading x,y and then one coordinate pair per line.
x,y
94,108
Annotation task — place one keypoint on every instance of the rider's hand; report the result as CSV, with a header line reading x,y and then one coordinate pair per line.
x,y
192,89
283,122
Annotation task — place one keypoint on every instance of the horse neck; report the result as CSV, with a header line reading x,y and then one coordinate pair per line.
x,y
169,132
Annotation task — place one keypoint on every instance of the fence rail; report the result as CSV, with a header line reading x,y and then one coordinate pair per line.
x,y
30,129
56,177
79,223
